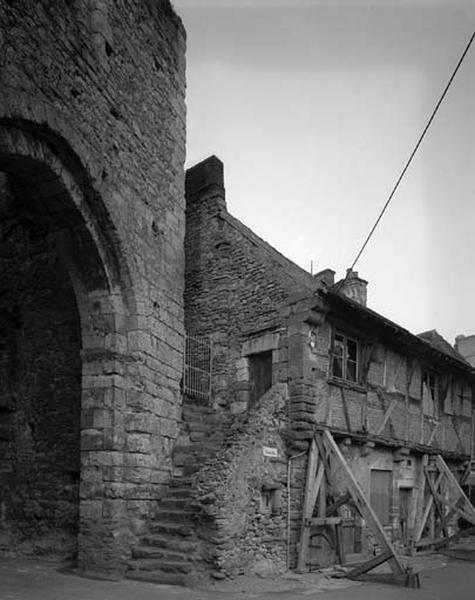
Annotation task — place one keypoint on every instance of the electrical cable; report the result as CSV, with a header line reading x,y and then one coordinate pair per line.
x,y
419,141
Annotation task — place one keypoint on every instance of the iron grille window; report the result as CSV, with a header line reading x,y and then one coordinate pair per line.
x,y
345,357
197,367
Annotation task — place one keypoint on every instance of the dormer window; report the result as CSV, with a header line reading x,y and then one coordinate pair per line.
x,y
345,357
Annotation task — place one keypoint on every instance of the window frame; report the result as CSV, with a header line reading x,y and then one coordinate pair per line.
x,y
345,358
461,394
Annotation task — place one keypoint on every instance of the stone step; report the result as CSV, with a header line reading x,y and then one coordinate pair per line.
x,y
175,528
192,467
152,552
169,542
181,482
175,516
167,566
180,492
181,503
205,422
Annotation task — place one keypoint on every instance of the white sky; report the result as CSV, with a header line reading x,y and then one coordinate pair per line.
x,y
314,107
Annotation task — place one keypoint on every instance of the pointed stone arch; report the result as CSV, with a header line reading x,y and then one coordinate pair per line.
x,y
52,188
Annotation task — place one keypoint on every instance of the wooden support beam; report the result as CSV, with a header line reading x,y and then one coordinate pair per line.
x,y
436,498
387,416
343,499
322,497
308,507
340,548
362,503
427,509
420,499
371,564
319,521
316,487
445,520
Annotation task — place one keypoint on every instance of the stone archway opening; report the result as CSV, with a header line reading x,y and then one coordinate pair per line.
x,y
63,333
40,384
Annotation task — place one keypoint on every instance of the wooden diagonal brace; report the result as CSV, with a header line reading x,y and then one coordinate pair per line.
x,y
387,416
432,433
467,510
370,564
427,509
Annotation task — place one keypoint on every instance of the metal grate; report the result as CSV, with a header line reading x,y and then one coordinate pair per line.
x,y
197,367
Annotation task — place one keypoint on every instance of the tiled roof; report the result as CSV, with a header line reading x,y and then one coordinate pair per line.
x,y
434,338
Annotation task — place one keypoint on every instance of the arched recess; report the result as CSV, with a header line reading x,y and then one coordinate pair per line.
x,y
66,235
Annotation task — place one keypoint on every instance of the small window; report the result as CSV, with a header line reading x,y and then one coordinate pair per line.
x,y
345,357
271,501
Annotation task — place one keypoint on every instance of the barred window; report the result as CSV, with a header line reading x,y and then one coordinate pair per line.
x,y
197,367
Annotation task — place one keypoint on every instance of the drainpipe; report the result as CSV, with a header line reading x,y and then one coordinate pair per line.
x,y
289,466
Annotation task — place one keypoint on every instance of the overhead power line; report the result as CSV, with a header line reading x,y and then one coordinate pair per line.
x,y
413,153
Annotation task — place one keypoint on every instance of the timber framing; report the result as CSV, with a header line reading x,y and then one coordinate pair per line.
x,y
390,333
363,439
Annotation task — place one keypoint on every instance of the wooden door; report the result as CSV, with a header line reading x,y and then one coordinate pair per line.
x,y
380,494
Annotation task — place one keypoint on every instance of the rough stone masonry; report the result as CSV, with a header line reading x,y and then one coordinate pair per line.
x,y
92,147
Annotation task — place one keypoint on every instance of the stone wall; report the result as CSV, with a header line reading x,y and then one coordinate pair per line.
x,y
242,493
237,285
92,135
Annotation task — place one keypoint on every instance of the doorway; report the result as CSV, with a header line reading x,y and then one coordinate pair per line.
x,y
260,375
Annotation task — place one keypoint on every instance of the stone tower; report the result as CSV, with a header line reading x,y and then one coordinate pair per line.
x,y
92,148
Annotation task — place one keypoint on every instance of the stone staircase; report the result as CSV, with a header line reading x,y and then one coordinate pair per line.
x,y
172,551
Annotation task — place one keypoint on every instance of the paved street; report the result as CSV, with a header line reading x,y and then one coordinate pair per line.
x,y
34,580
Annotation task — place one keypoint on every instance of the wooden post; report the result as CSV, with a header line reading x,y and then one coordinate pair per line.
x,y
308,507
419,507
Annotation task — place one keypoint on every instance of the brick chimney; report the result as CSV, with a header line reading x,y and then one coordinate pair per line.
x,y
465,345
354,287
